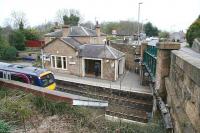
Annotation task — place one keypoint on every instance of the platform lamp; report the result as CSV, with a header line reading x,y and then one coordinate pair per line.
x,y
139,21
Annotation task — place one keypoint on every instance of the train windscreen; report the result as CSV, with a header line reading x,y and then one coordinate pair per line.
x,y
47,80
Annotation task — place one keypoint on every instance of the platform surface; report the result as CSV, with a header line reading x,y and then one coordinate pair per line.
x,y
129,82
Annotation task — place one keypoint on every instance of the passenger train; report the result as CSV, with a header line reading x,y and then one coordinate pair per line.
x,y
30,75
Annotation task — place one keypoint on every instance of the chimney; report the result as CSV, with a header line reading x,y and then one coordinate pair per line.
x,y
56,27
97,27
65,30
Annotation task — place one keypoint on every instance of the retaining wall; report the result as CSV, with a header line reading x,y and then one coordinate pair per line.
x,y
183,90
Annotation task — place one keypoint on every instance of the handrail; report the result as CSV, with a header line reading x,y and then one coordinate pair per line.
x,y
150,60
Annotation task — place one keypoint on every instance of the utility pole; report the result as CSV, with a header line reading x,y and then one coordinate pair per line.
x,y
139,22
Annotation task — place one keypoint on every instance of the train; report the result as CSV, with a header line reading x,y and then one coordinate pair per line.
x,y
27,74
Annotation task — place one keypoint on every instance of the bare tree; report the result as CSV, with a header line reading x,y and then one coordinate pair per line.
x,y
59,15
18,17
66,12
88,24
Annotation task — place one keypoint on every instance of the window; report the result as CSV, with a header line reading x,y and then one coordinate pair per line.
x,y
1,74
47,80
64,62
59,62
53,60
17,78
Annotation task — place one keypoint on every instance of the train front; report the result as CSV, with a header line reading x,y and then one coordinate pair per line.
x,y
48,80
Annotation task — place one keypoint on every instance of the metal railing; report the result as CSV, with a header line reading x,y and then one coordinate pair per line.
x,y
150,59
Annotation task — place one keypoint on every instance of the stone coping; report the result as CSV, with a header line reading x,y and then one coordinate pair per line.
x,y
188,61
168,45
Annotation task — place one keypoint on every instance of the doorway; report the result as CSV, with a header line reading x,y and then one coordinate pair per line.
x,y
93,68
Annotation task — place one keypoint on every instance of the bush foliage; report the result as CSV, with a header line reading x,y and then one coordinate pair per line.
x,y
9,53
193,31
4,127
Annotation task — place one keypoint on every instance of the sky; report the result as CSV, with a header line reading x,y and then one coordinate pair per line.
x,y
169,15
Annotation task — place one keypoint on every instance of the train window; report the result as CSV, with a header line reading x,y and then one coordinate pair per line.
x,y
1,74
32,80
16,77
47,79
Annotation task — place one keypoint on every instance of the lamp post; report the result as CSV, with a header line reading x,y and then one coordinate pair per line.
x,y
139,21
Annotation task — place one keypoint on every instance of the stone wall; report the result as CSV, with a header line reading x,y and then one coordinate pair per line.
x,y
130,51
59,48
183,90
109,69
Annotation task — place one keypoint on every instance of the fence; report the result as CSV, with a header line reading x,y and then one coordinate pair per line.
x,y
150,59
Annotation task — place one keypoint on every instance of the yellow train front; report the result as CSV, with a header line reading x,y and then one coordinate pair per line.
x,y
26,74
47,80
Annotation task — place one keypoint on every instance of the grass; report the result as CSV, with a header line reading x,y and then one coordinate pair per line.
x,y
17,108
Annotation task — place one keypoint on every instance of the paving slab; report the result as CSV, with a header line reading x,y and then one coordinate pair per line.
x,y
129,82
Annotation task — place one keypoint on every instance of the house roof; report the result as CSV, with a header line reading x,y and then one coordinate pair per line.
x,y
72,41
75,31
99,51
67,40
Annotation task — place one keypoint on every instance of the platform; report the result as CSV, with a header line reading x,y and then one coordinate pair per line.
x,y
129,82
71,99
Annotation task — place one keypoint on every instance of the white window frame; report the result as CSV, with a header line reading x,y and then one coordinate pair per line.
x,y
63,62
55,62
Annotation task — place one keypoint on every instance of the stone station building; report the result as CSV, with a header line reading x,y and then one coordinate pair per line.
x,y
76,50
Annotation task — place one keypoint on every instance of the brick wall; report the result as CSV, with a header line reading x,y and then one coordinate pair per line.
x,y
39,91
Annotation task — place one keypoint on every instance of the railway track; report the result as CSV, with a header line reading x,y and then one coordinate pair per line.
x,y
133,108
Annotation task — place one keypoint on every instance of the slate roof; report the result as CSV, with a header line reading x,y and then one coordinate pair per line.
x,y
99,51
72,41
75,31
67,40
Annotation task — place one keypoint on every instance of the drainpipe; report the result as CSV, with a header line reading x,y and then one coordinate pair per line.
x,y
42,53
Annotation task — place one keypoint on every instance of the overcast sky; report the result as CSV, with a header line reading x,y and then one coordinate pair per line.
x,y
170,15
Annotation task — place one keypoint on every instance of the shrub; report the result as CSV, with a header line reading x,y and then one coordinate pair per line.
x,y
15,107
10,53
17,39
51,107
193,32
4,127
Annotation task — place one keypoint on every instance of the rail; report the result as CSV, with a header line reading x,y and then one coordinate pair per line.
x,y
150,60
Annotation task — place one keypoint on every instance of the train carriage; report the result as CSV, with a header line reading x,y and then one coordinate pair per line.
x,y
26,74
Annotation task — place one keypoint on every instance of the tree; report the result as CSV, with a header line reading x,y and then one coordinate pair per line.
x,y
127,27
17,39
21,26
9,53
193,31
69,16
31,34
71,20
18,19
88,25
163,34
150,30
3,43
